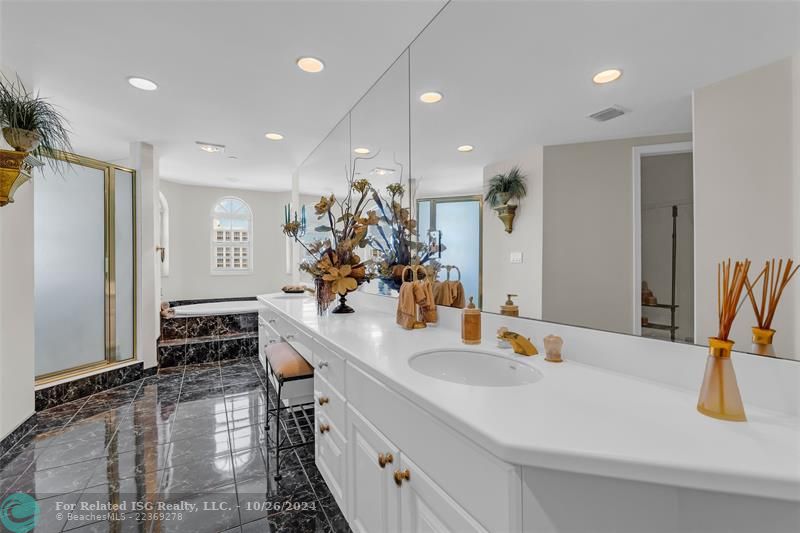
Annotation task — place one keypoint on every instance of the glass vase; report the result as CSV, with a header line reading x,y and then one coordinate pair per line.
x,y
324,295
719,395
762,341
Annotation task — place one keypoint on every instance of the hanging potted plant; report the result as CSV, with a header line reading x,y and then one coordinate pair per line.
x,y
31,126
503,188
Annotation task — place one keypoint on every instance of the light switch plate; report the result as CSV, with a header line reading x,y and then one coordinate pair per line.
x,y
516,257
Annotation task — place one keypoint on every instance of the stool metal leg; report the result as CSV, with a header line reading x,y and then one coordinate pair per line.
x,y
277,433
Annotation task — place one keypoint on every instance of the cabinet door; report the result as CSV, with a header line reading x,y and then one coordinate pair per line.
x,y
374,499
426,508
331,456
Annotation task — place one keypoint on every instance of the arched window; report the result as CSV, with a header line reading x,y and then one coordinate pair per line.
x,y
231,237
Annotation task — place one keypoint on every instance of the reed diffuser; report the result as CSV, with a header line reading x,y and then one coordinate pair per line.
x,y
719,394
773,281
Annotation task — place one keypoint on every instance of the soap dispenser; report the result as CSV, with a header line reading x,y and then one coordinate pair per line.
x,y
510,308
471,324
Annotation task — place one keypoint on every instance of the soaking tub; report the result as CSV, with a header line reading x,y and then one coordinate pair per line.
x,y
230,307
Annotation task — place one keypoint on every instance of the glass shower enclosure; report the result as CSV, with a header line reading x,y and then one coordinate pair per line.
x,y
84,267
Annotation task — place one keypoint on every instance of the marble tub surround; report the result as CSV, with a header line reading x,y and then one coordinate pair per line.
x,y
188,434
208,338
53,395
607,422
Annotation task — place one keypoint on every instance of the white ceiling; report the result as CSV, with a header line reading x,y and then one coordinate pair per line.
x,y
514,74
517,74
226,73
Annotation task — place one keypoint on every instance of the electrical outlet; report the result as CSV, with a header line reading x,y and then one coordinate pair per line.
x,y
516,258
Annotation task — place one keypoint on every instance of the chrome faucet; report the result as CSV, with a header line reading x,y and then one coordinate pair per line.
x,y
520,344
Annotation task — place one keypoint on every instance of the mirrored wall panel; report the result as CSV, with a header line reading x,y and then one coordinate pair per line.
x,y
613,164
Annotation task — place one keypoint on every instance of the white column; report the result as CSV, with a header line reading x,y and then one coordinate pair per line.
x,y
143,160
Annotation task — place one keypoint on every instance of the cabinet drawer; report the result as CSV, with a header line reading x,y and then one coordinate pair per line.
x,y
330,366
330,457
476,480
328,402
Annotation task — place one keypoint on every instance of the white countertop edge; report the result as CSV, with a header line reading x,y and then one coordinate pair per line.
x,y
787,488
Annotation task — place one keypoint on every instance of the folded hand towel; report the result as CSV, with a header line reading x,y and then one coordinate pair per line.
x,y
456,290
406,306
423,294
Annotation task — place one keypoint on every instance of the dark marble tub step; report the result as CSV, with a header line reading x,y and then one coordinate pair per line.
x,y
207,349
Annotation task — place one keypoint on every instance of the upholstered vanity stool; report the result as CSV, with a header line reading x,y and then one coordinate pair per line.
x,y
286,365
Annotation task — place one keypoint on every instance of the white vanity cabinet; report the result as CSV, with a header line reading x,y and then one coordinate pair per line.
x,y
389,492
366,433
373,500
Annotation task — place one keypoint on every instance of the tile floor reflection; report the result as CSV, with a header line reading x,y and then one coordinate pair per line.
x,y
190,439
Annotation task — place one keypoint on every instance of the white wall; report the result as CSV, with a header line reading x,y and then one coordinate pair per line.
x,y
588,237
16,303
500,276
745,151
190,232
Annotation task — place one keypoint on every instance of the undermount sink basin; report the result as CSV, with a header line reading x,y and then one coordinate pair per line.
x,y
469,367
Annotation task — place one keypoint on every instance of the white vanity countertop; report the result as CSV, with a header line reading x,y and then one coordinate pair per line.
x,y
577,418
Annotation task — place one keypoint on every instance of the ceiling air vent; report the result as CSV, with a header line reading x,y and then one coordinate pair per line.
x,y
607,114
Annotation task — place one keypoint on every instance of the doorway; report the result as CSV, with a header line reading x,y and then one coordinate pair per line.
x,y
664,247
457,224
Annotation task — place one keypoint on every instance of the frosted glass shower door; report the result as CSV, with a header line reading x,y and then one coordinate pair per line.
x,y
69,268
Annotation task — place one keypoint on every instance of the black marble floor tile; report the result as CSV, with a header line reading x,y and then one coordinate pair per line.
x,y
43,483
193,434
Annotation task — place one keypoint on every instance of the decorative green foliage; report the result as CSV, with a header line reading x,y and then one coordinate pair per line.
x,y
20,108
506,187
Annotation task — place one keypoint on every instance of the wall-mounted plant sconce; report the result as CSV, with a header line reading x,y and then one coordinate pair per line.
x,y
15,169
504,188
506,213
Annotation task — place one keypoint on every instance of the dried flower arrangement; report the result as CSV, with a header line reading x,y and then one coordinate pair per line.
x,y
775,279
334,264
719,394
396,237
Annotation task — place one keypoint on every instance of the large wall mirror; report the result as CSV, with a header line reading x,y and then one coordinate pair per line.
x,y
636,188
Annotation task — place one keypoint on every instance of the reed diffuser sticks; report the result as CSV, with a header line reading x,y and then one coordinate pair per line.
x,y
729,291
719,395
775,280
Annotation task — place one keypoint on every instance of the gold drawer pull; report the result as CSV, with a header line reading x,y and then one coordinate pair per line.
x,y
384,458
324,427
323,400
400,475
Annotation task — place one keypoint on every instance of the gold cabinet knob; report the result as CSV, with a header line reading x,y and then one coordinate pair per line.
x,y
324,427
323,400
384,458
400,475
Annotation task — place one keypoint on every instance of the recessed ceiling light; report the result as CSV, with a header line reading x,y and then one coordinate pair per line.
x,y
210,147
143,83
431,97
310,64
273,136
361,151
380,171
465,148
607,76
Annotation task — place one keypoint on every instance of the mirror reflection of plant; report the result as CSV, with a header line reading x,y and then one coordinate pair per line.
x,y
335,259
400,244
24,110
